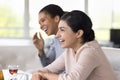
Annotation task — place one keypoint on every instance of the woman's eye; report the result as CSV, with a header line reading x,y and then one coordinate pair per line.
x,y
43,20
62,29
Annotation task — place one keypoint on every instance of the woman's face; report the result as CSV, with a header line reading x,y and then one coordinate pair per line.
x,y
47,24
67,37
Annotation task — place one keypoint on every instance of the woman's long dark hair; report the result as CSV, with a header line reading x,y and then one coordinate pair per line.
x,y
78,20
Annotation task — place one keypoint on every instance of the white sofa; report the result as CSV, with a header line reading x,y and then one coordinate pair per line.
x,y
27,57
22,52
113,55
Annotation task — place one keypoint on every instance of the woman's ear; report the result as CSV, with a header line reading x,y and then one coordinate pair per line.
x,y
57,18
79,33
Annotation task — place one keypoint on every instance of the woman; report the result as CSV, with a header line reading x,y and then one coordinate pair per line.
x,y
83,58
49,17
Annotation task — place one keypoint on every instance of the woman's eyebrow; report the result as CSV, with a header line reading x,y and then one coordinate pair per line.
x,y
61,27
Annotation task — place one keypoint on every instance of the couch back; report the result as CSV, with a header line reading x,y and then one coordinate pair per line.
x,y
25,56
113,55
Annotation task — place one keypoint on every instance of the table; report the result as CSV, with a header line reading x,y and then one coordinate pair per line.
x,y
7,74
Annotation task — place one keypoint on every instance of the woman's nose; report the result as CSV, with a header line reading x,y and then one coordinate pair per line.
x,y
41,26
58,35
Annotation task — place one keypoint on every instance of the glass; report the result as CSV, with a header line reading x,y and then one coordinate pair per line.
x,y
13,69
1,73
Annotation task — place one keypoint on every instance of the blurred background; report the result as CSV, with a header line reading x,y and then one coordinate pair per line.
x,y
19,19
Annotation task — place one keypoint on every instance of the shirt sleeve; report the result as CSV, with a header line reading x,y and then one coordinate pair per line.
x,y
87,61
57,66
48,57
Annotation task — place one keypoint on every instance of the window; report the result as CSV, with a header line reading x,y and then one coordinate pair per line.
x,y
19,18
105,15
11,18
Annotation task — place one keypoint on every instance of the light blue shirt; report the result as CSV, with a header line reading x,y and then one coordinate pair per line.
x,y
55,50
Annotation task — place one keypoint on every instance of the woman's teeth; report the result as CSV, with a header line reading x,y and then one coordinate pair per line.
x,y
45,30
62,40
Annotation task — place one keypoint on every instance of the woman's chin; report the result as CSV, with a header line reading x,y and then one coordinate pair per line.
x,y
48,33
63,46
